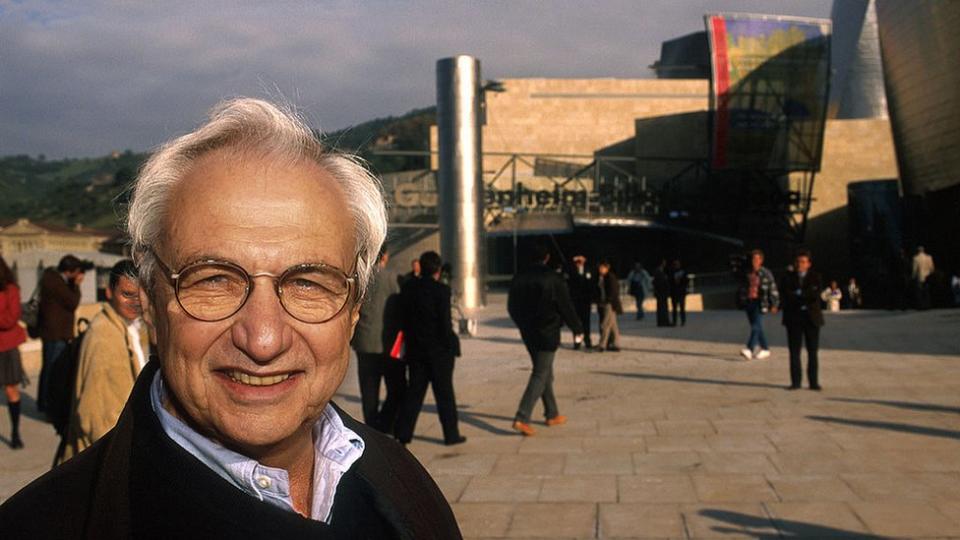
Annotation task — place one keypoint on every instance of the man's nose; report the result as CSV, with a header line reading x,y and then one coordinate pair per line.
x,y
261,330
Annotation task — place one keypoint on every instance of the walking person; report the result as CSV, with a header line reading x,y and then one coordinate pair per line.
x,y
582,286
608,306
373,338
11,336
59,298
853,297
803,318
539,303
678,293
661,289
757,295
641,285
431,347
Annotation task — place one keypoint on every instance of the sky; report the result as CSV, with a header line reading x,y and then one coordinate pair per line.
x,y
84,78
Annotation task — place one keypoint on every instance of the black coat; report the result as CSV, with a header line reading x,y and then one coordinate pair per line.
x,y
582,287
661,283
539,303
136,482
427,327
800,300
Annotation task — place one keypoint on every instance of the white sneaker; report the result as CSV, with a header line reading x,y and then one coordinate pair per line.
x,y
763,354
746,353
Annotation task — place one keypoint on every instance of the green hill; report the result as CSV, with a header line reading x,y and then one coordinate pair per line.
x,y
93,191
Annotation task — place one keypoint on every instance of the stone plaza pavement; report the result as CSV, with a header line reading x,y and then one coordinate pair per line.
x,y
678,437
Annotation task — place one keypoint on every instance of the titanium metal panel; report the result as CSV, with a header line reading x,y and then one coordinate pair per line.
x,y
920,42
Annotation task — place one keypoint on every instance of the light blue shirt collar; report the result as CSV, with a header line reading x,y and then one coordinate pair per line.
x,y
336,449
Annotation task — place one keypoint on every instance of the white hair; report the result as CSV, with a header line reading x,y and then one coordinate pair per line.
x,y
264,128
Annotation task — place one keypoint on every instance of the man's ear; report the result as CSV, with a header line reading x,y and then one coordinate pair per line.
x,y
147,310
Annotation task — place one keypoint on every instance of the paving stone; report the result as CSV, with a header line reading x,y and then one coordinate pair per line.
x,y
635,520
470,464
501,488
811,488
633,427
673,488
677,443
579,488
737,424
667,462
553,520
483,520
816,520
733,488
904,519
684,427
529,464
599,463
739,443
904,486
736,462
728,521
547,445
614,444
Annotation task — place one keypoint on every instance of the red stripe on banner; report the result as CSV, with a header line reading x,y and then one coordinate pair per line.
x,y
721,78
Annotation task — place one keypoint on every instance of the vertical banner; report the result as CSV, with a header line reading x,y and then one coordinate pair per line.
x,y
769,91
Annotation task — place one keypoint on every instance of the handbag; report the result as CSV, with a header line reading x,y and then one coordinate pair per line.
x,y
30,313
399,348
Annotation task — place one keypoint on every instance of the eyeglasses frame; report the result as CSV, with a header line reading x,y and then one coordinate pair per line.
x,y
173,278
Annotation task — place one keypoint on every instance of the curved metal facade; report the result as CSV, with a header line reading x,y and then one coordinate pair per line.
x,y
857,87
920,43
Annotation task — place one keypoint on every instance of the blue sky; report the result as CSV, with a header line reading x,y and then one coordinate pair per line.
x,y
85,78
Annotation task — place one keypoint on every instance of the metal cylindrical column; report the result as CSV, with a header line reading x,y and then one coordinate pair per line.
x,y
460,181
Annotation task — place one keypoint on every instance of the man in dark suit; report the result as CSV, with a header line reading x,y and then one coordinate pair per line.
x,y
679,281
431,347
608,307
539,303
582,285
803,318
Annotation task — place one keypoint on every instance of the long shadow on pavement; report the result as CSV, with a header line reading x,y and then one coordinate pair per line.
x,y
930,407
890,426
759,527
693,380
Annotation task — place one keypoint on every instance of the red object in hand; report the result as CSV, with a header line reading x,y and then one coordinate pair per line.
x,y
399,347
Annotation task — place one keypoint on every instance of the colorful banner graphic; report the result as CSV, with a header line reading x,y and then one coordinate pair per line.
x,y
769,91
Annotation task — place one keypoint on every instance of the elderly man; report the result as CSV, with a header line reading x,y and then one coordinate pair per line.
x,y
255,244
113,352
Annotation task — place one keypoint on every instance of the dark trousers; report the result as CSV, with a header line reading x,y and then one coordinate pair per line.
x,y
371,368
639,300
439,375
679,304
798,335
583,313
663,313
539,386
52,350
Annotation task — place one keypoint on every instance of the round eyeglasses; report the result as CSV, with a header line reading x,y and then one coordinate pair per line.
x,y
212,290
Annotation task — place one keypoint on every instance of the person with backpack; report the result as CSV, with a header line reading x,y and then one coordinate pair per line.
x,y
11,336
113,351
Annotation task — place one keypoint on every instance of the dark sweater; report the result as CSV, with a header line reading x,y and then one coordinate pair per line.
x,y
539,303
136,482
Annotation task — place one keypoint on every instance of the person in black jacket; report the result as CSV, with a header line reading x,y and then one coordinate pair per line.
x,y
582,284
678,292
431,347
803,318
539,303
608,307
661,289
